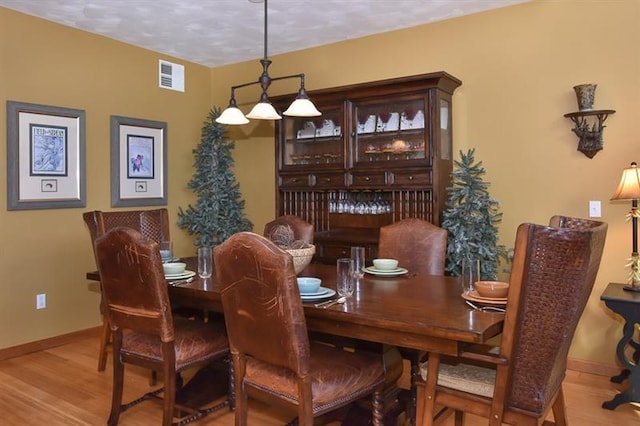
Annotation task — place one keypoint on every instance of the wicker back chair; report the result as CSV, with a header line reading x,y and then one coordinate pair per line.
x,y
554,269
153,224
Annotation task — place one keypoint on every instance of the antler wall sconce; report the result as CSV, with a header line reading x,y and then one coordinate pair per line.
x,y
589,122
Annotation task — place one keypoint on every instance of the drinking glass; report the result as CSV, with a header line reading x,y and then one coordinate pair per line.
x,y
345,277
357,255
470,274
166,251
205,262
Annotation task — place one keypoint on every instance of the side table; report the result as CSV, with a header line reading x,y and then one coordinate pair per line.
x,y
627,304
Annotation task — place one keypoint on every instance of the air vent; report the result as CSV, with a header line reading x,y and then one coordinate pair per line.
x,y
171,76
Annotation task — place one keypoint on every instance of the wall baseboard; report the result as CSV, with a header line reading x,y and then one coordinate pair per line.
x,y
49,343
574,364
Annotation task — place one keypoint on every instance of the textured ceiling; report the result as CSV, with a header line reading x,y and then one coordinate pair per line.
x,y
219,32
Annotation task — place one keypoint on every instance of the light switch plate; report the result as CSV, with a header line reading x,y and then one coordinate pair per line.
x,y
595,209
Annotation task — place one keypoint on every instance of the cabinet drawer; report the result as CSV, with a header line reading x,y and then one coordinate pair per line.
x,y
329,253
328,180
366,180
295,181
407,178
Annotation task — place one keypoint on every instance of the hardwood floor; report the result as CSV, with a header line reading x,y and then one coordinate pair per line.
x,y
61,386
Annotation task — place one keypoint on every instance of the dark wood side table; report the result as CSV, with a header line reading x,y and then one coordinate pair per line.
x,y
627,304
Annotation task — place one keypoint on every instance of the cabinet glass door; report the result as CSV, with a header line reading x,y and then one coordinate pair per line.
x,y
393,131
314,140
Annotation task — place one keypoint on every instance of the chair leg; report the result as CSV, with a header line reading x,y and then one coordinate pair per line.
x,y
377,408
118,383
105,340
169,397
415,371
559,409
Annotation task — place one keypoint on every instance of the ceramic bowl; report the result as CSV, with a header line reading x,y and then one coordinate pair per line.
x,y
174,268
308,284
385,264
492,289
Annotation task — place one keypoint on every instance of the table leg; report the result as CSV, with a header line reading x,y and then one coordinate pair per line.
x,y
632,393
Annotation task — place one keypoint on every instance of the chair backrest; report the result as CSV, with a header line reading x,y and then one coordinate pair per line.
x,y
261,302
134,289
302,230
553,273
153,224
418,245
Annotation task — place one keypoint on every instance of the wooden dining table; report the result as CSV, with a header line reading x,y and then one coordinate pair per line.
x,y
423,312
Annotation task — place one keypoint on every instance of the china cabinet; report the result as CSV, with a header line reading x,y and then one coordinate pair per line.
x,y
380,152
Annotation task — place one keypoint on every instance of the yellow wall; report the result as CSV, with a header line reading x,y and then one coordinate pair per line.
x,y
518,65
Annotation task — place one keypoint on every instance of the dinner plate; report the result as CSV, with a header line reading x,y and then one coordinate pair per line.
x,y
185,274
321,291
325,295
473,296
385,273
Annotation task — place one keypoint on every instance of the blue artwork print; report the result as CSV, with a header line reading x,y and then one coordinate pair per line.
x,y
48,150
140,157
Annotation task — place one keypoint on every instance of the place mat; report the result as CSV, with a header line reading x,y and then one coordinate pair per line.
x,y
473,296
185,274
385,273
329,293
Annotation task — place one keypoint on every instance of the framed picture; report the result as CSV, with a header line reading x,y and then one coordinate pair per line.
x,y
45,157
138,162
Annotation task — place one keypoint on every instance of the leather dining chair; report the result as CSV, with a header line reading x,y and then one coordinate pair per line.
x,y
145,333
302,230
273,358
420,247
153,224
520,381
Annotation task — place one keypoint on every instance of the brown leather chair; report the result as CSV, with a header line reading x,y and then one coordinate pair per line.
x,y
554,269
302,230
273,359
153,224
420,247
144,331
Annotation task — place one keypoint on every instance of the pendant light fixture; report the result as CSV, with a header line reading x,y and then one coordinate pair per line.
x,y
263,110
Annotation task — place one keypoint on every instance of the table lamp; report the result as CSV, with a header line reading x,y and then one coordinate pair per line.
x,y
629,189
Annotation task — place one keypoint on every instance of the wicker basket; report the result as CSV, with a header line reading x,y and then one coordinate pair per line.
x,y
301,257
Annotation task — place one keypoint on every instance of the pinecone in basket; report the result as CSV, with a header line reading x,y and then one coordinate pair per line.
x,y
283,237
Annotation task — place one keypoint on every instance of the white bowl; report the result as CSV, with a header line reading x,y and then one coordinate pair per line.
x,y
385,264
309,284
174,268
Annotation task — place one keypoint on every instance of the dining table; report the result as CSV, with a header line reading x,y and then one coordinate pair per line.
x,y
408,310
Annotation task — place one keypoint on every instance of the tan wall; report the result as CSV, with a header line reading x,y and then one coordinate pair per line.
x,y
518,65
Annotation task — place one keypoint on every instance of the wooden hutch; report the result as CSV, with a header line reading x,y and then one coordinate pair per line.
x,y
380,152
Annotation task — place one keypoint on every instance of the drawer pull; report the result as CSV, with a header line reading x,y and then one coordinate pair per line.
x,y
294,180
327,179
410,177
367,178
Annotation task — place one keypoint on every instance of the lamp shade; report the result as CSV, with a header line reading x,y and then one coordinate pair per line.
x,y
264,111
302,107
629,186
232,115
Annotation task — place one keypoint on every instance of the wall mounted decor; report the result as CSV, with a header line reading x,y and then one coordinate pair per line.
x,y
138,162
589,122
45,157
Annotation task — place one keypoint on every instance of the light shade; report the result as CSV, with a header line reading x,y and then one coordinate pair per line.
x,y
629,186
264,111
302,107
232,115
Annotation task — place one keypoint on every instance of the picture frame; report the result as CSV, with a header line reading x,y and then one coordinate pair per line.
x,y
138,162
45,157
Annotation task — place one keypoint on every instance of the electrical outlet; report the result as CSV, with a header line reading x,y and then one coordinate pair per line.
x,y
41,301
595,209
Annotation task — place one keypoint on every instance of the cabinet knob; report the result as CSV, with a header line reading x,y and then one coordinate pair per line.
x,y
327,180
410,177
367,178
294,180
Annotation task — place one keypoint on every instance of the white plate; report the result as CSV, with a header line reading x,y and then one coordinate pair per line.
x,y
185,274
327,293
320,292
385,273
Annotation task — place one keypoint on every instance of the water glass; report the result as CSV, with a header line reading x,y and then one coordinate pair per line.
x,y
205,262
346,280
166,251
470,274
357,255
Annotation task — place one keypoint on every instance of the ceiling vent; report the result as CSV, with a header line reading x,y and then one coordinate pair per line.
x,y
171,76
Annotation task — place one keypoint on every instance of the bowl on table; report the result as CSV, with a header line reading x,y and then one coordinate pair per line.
x,y
302,257
385,264
308,285
174,268
492,289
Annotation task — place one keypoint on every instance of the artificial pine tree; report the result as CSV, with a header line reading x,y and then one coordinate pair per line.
x,y
471,219
219,212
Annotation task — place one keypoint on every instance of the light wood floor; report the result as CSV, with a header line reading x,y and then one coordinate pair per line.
x,y
61,386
